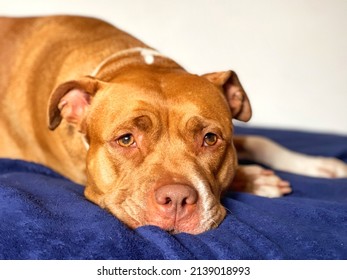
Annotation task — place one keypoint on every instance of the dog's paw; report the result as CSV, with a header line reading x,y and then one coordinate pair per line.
x,y
257,180
323,167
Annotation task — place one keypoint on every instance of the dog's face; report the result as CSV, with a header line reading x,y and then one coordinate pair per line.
x,y
160,145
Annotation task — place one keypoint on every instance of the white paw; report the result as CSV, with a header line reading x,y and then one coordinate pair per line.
x,y
260,181
324,167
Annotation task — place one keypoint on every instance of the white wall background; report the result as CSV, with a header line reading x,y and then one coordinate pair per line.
x,y
291,56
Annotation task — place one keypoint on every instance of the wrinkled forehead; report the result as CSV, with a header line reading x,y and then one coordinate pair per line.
x,y
180,97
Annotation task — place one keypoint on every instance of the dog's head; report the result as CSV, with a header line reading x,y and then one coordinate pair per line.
x,y
160,143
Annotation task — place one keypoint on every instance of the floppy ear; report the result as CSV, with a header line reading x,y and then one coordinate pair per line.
x,y
70,101
237,98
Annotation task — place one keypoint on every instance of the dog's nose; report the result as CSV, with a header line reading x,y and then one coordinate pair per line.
x,y
176,201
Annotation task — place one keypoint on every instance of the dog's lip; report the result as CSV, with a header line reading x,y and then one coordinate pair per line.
x,y
188,227
179,229
173,227
135,214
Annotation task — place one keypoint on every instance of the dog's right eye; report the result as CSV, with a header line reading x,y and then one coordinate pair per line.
x,y
126,140
210,139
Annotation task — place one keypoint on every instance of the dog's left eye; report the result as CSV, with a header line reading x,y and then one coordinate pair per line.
x,y
126,140
210,139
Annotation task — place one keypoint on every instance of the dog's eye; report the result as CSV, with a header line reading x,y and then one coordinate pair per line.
x,y
126,140
210,139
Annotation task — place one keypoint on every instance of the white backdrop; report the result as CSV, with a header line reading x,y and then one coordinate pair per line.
x,y
291,56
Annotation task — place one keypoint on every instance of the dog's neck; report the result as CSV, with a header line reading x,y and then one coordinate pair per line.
x,y
112,64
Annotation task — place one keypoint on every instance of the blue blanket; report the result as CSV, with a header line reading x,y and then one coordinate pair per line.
x,y
45,216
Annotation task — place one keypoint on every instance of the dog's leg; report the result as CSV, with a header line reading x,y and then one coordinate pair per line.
x,y
265,151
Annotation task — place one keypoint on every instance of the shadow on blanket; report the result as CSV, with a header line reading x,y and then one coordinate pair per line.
x,y
45,216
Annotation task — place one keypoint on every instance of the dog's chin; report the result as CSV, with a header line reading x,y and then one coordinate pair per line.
x,y
194,231
134,216
170,227
180,229
192,226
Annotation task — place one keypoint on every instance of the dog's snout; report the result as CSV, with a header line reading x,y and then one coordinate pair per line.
x,y
176,201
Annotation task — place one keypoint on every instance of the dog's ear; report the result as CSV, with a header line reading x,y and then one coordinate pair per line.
x,y
70,101
237,98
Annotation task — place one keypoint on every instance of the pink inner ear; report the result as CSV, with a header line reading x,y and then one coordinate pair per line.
x,y
238,102
74,105
235,97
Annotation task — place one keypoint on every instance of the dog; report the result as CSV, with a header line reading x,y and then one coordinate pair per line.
x,y
152,143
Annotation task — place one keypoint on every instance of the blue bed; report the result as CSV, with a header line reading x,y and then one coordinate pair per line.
x,y
45,216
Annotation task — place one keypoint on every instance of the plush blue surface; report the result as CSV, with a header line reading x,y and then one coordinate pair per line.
x,y
45,216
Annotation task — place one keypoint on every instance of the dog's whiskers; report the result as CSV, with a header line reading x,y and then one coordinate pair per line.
x,y
228,210
214,222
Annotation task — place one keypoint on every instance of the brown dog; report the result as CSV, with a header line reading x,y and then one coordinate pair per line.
x,y
152,143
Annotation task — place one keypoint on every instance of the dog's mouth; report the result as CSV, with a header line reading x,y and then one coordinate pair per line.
x,y
197,222
179,208
191,227
175,208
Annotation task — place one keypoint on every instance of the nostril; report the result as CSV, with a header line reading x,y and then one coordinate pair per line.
x,y
162,199
168,200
